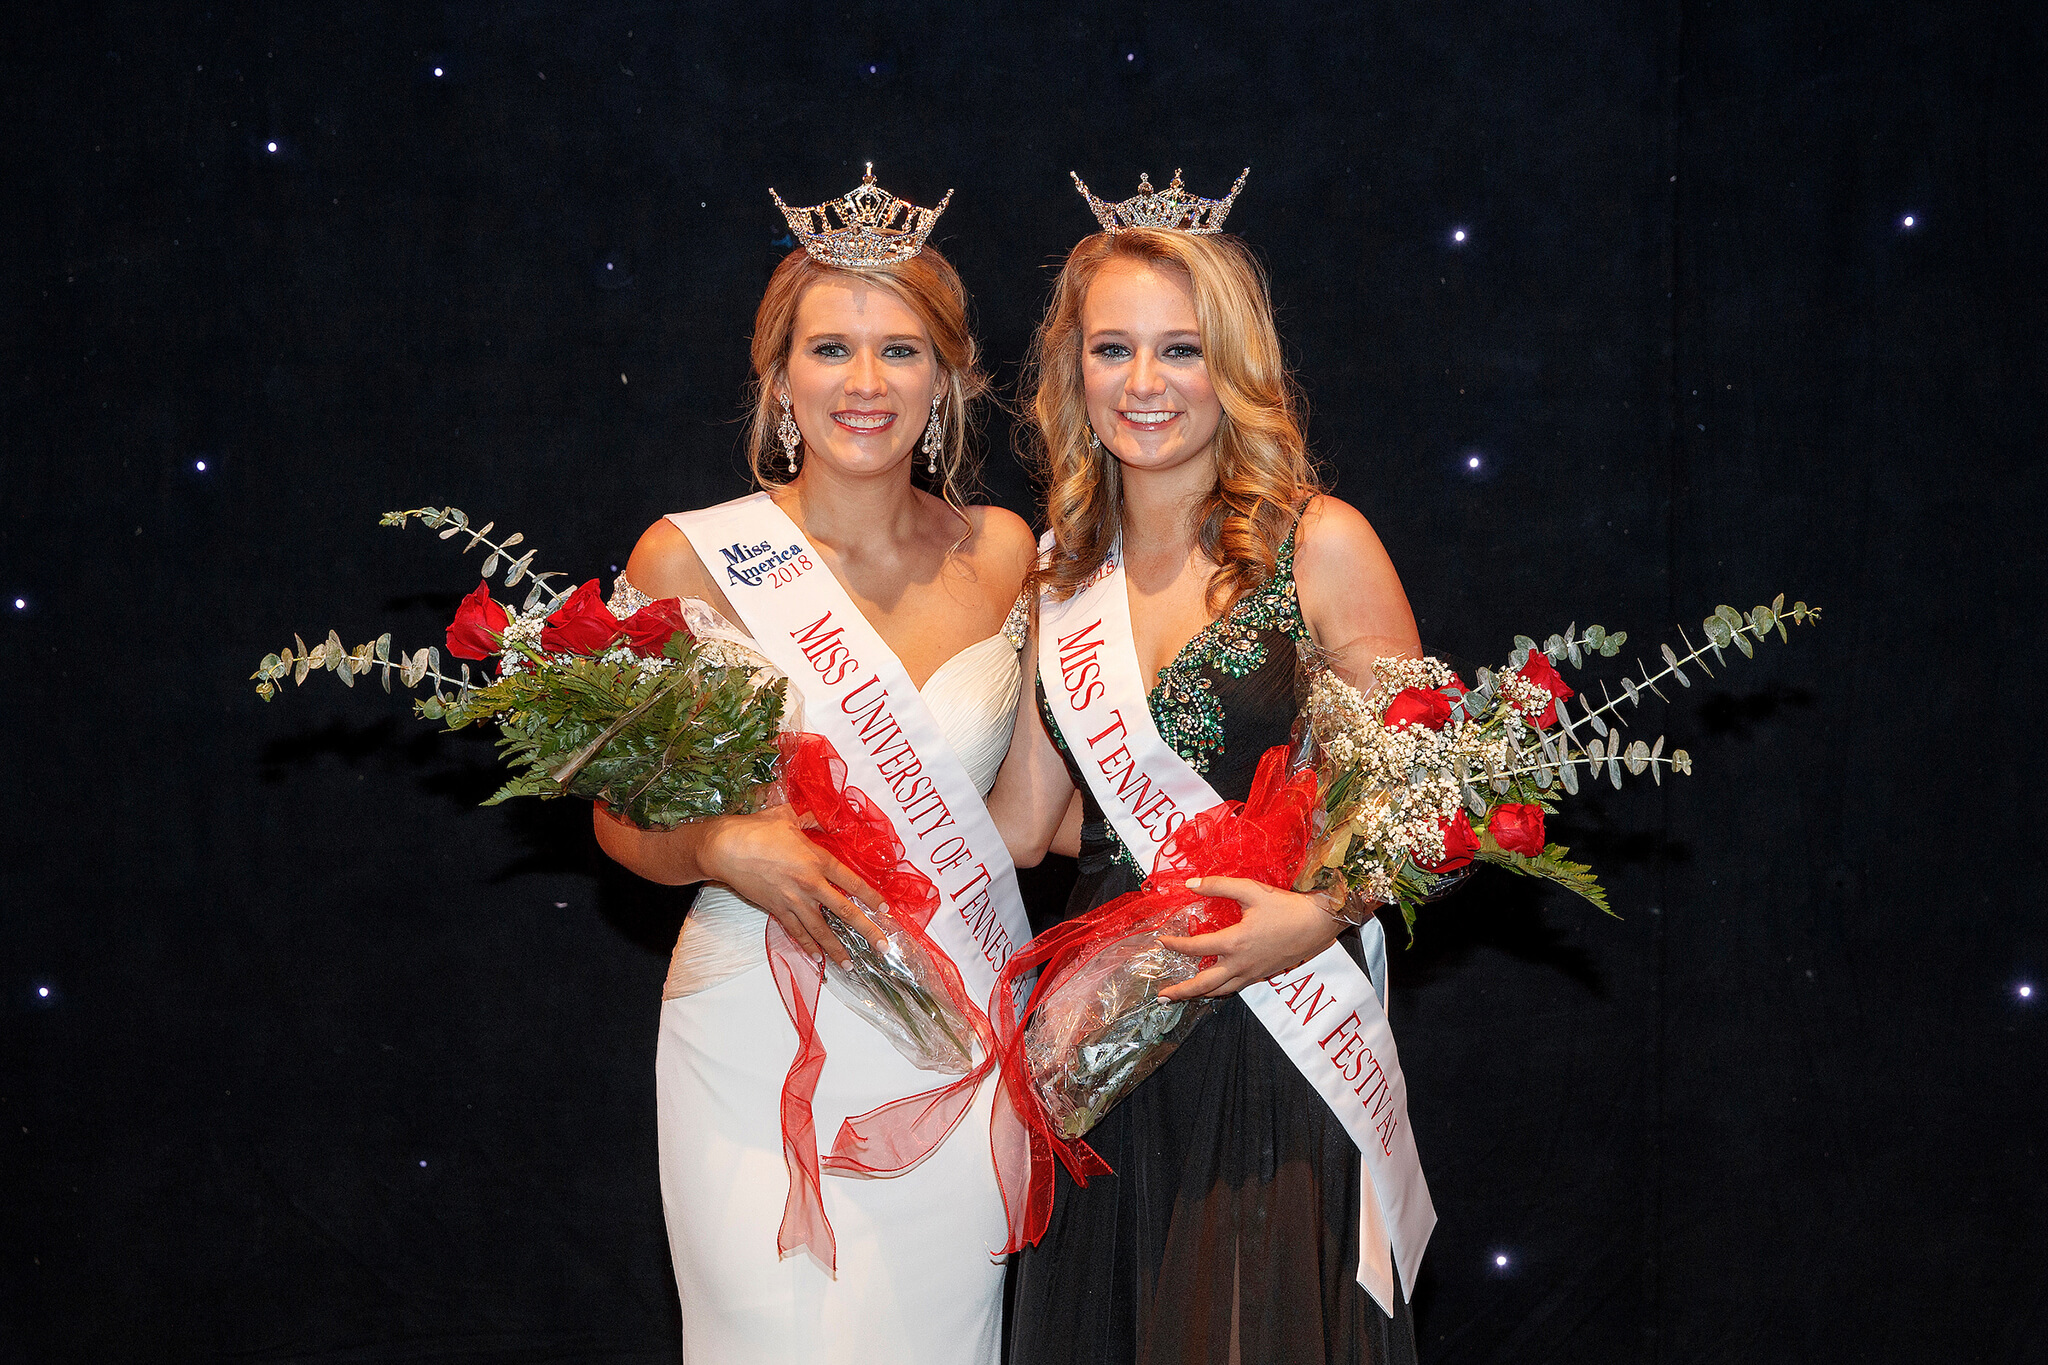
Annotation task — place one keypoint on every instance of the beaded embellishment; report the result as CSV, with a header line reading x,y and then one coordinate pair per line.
x,y
1183,701
1018,623
626,599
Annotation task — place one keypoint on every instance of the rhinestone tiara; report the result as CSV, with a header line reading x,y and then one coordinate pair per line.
x,y
865,226
1172,208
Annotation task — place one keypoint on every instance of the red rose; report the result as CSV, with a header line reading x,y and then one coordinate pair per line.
x,y
1539,671
650,629
1413,705
1518,828
478,623
581,625
1459,844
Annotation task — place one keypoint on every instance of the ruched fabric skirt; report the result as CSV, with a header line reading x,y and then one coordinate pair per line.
x,y
916,1284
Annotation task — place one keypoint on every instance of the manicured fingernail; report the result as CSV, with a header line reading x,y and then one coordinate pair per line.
x,y
1194,883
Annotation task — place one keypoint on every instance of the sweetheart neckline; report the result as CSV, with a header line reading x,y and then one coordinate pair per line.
x,y
955,658
745,636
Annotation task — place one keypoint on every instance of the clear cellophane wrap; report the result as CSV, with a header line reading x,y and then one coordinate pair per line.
x,y
1094,1026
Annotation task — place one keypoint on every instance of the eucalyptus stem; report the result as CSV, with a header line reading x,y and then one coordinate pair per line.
x,y
1650,679
1575,760
454,518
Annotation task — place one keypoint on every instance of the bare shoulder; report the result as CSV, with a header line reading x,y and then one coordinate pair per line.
x,y
1001,544
1335,544
1350,596
664,564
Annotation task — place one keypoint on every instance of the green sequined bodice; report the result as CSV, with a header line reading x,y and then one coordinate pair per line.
x,y
1224,699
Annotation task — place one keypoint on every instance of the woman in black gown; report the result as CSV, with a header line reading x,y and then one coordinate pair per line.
x,y
1229,1231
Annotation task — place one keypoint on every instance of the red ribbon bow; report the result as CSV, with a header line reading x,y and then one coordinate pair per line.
x,y
894,1137
1262,838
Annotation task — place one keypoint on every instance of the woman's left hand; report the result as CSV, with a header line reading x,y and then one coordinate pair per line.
x,y
1280,930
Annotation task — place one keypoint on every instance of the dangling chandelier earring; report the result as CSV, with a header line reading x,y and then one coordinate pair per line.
x,y
1094,441
934,437
787,433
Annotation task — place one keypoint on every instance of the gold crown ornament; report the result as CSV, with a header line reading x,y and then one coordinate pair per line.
x,y
1173,208
865,226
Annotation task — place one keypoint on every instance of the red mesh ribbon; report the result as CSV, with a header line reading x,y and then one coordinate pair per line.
x,y
1262,838
891,1138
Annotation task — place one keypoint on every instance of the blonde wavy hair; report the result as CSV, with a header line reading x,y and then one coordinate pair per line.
x,y
1263,471
931,288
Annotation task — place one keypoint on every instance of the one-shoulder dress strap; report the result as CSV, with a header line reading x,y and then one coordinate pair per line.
x,y
626,599
1018,623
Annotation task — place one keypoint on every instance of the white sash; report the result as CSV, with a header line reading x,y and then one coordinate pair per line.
x,y
1089,664
857,695
1327,1015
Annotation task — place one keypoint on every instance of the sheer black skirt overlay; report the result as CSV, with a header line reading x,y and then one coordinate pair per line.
x,y
1227,1233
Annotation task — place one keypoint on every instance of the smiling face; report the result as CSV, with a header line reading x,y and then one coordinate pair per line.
x,y
1142,370
860,376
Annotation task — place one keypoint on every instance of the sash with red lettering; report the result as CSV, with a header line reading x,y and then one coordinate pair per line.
x,y
897,762
1088,667
1326,1014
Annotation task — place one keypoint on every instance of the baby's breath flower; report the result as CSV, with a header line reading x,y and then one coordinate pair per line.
x,y
1524,696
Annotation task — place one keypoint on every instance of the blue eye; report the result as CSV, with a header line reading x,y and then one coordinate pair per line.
x,y
829,349
1110,350
900,351
1185,351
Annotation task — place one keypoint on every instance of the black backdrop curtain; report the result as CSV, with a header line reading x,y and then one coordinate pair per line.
x,y
306,1058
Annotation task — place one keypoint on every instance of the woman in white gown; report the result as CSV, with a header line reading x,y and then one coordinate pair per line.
x,y
864,370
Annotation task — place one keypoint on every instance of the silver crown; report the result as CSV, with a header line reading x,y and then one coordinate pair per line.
x,y
1172,208
865,226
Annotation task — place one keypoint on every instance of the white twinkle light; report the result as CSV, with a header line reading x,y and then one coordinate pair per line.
x,y
21,604
1501,1262
199,465
1458,235
437,71
423,1164
2026,992
1471,462
272,146
43,992
1909,220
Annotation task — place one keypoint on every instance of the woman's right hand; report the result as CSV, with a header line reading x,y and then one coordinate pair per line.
x,y
768,860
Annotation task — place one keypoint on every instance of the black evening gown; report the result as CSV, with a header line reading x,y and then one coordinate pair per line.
x,y
1228,1232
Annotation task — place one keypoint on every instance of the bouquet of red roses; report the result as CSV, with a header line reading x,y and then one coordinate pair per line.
x,y
1420,776
1388,795
633,712
664,722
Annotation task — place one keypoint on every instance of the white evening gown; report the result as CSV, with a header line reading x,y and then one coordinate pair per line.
x,y
917,1281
